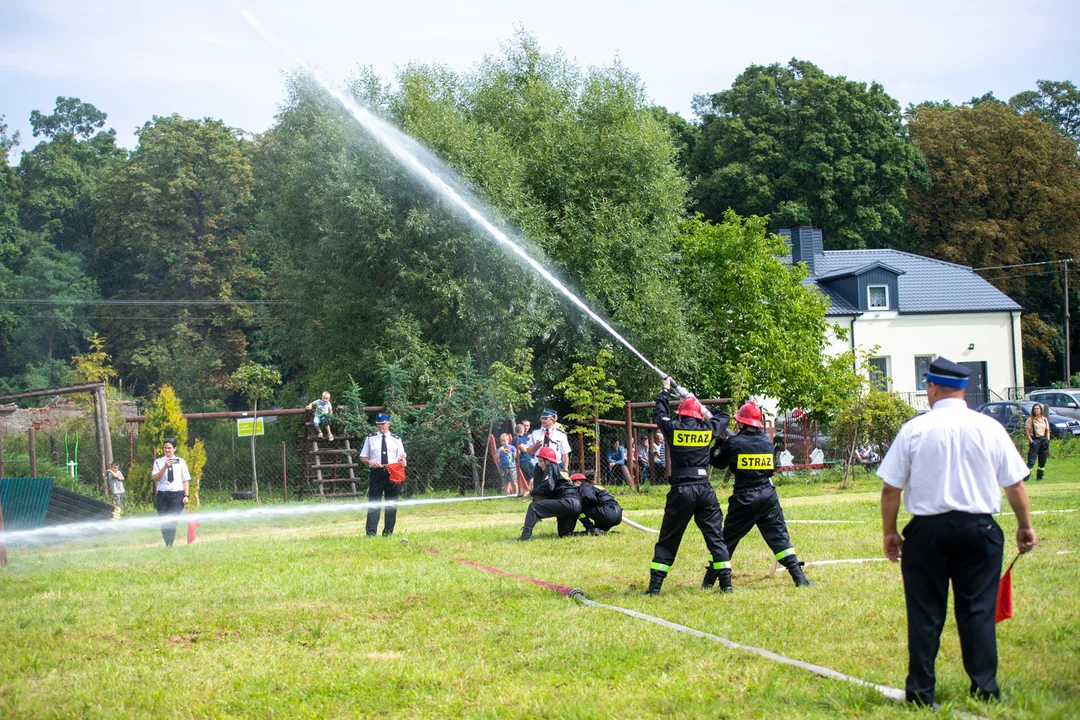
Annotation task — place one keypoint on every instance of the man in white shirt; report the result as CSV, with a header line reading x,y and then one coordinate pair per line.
x,y
547,435
381,449
950,464
172,477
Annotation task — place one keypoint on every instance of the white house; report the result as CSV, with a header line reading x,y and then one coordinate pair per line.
x,y
915,308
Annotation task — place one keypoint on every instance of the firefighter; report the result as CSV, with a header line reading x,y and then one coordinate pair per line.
x,y
749,457
553,496
689,438
599,510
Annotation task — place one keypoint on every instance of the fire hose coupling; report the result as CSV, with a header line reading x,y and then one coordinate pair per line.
x,y
577,594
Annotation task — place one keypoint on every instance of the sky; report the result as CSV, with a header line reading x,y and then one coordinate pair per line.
x,y
138,58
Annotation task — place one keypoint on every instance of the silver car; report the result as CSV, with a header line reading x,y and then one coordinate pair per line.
x,y
1063,402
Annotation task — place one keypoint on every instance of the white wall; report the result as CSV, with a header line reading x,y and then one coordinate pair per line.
x,y
902,337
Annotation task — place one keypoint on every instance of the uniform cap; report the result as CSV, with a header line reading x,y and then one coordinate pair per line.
x,y
690,407
947,373
749,414
548,454
548,413
382,417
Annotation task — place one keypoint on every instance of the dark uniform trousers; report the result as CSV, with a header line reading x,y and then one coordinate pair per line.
x,y
685,500
966,549
603,517
380,488
168,502
564,504
1039,447
751,505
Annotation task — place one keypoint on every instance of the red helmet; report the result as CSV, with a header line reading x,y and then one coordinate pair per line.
x,y
579,476
690,407
548,454
749,414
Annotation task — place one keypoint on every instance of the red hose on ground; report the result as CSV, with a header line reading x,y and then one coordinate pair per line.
x,y
561,589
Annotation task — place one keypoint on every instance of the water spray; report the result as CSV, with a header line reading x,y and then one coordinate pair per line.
x,y
397,142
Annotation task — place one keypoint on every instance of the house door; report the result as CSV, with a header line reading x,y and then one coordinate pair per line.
x,y
976,393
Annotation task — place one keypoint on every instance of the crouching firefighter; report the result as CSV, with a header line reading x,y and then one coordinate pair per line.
x,y
749,457
599,510
553,496
689,439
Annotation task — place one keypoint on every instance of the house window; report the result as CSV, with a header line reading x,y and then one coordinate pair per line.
x,y
877,297
879,373
922,366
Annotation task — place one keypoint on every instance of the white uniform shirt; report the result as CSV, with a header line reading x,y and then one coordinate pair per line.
x,y
373,448
952,459
559,442
180,473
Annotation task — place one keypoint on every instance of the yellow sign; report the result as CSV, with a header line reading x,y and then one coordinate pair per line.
x,y
755,462
692,438
243,426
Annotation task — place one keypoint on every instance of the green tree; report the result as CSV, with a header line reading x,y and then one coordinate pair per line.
x,y
592,393
172,225
805,148
766,332
1055,103
71,116
256,382
93,365
1004,189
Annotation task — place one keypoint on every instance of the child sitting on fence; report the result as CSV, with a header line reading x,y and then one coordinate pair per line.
x,y
324,411
508,464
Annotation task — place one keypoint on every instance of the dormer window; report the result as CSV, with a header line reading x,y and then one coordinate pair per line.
x,y
877,297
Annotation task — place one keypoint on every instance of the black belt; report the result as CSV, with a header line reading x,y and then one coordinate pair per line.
x,y
695,473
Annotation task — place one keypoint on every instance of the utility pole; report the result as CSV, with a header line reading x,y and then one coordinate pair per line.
x,y
1068,337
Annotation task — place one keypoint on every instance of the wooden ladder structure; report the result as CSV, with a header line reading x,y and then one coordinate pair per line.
x,y
333,479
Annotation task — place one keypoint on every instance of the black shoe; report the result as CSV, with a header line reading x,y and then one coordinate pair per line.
x,y
597,531
724,577
798,576
710,579
656,579
525,535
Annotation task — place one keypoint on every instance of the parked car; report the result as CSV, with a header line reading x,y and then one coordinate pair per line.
x,y
1065,401
1014,415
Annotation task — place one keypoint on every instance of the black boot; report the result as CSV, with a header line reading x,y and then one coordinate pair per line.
x,y
526,534
709,580
1040,475
797,575
724,576
656,579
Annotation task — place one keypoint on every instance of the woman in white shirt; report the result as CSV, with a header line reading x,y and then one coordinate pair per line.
x,y
172,477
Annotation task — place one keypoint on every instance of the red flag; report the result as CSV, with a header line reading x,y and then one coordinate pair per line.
x,y
1005,596
191,525
397,472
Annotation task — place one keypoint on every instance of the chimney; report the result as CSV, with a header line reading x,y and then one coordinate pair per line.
x,y
806,243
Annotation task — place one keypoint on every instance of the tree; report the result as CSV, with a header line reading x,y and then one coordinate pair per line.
x,y
805,148
71,116
172,225
256,382
1055,103
1004,189
589,389
766,331
93,365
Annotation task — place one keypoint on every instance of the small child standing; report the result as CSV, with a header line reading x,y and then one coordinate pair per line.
x,y
599,510
116,485
508,464
324,412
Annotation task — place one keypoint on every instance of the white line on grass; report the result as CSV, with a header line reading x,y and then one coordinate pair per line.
x,y
839,562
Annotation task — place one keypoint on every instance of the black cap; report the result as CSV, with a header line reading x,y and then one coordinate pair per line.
x,y
947,373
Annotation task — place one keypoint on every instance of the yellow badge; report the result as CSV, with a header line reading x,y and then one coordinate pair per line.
x,y
692,438
755,462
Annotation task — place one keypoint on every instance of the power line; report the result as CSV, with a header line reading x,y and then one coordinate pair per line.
x,y
1015,265
54,301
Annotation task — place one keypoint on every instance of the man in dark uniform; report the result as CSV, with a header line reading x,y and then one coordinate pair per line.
x,y
553,496
689,438
951,464
749,457
599,510
382,449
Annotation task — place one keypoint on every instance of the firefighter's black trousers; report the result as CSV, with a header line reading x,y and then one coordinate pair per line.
x,y
966,549
604,517
1038,448
694,500
380,489
565,505
757,505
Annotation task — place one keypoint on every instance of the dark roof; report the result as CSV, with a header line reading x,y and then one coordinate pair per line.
x,y
924,285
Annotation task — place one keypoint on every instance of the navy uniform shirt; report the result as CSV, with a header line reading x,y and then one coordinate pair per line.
x,y
748,455
689,440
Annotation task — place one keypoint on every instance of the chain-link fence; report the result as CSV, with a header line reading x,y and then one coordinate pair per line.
x,y
70,455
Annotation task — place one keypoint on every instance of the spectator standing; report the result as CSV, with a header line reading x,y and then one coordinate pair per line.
x,y
526,462
382,449
950,465
641,455
549,435
172,477
1037,430
659,458
116,484
508,464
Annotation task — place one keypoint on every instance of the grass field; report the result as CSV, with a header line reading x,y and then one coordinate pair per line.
x,y
305,617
